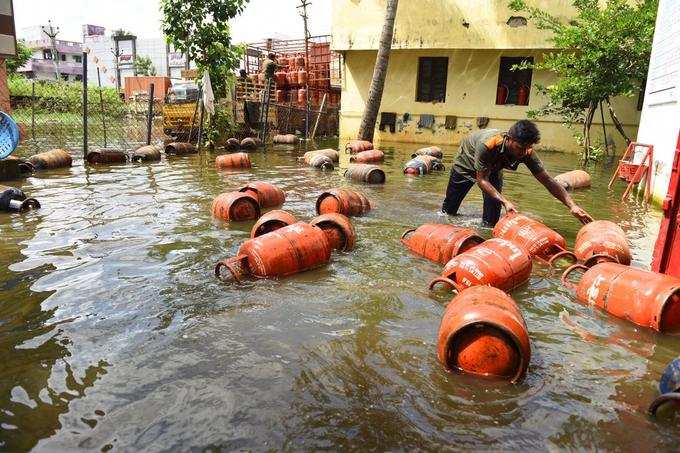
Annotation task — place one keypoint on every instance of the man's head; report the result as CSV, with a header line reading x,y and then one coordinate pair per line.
x,y
271,56
521,137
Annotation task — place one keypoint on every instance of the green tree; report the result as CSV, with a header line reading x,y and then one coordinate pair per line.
x,y
601,53
23,55
144,66
200,29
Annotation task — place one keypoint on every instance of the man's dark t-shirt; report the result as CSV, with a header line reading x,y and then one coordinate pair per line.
x,y
484,150
269,67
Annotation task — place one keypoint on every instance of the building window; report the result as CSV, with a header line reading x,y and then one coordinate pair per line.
x,y
77,58
63,57
47,54
514,87
432,75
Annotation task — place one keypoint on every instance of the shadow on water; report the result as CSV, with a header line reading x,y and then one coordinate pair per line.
x,y
115,333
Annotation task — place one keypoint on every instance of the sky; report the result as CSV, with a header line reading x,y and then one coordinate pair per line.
x,y
261,19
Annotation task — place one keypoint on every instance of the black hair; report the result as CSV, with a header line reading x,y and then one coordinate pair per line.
x,y
525,132
271,56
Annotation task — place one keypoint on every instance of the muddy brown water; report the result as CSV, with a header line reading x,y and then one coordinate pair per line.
x,y
114,333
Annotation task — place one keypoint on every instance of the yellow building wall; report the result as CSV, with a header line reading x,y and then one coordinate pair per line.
x,y
470,93
441,24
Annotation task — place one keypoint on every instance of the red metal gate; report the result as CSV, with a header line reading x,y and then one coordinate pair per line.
x,y
667,250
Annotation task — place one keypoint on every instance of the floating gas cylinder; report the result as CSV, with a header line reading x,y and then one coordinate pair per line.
x,y
148,153
56,158
440,242
343,201
575,179
106,156
366,157
371,174
268,195
272,221
357,146
415,167
236,206
601,241
287,139
180,148
249,143
232,144
15,200
433,151
330,153
234,160
338,229
431,162
322,162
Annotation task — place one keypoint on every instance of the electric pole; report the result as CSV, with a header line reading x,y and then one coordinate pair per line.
x,y
303,5
116,56
52,34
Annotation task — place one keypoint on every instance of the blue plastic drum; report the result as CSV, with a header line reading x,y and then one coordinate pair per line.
x,y
9,135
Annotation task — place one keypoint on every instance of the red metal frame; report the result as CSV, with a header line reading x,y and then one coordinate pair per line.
x,y
666,258
634,173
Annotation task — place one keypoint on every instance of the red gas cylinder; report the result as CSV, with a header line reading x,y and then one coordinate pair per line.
x,y
431,162
300,62
357,146
268,195
496,262
338,229
332,154
280,78
575,179
289,250
602,241
291,78
433,151
272,221
523,96
302,96
440,243
537,239
302,77
236,206
234,160
502,95
281,96
343,201
483,333
366,157
645,298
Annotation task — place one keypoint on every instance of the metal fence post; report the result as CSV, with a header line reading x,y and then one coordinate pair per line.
x,y
85,105
149,120
101,104
33,110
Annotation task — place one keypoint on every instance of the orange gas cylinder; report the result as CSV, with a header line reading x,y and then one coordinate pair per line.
x,y
268,195
502,95
302,96
291,78
286,251
56,158
642,297
483,333
234,160
368,173
338,229
523,95
537,239
232,144
343,201
357,146
602,241
249,143
332,154
575,179
431,162
281,96
366,157
272,221
300,62
302,77
496,262
433,151
440,243
280,77
236,206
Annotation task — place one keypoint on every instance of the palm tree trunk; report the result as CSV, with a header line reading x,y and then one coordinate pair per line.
x,y
379,72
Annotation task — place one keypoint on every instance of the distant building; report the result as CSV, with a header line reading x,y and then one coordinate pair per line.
x,y
51,58
450,70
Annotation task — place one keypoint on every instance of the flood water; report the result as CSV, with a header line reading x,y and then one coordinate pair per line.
x,y
115,334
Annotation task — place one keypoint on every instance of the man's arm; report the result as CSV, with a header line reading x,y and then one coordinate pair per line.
x,y
488,188
561,194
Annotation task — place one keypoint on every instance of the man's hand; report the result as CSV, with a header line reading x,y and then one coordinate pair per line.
x,y
509,207
581,214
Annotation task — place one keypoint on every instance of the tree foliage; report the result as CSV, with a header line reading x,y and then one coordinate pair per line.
x,y
23,55
144,66
200,28
602,53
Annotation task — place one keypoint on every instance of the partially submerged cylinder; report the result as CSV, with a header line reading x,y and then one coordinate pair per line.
x,y
433,151
431,162
366,157
272,221
440,242
14,168
322,162
343,201
236,206
286,251
415,167
234,160
371,174
601,241
575,179
338,229
148,153
268,195
232,144
357,146
645,298
496,262
249,143
56,158
287,139
106,156
15,200
180,148
536,238
330,153
483,333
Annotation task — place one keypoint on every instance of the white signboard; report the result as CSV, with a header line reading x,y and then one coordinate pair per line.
x,y
664,69
176,59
